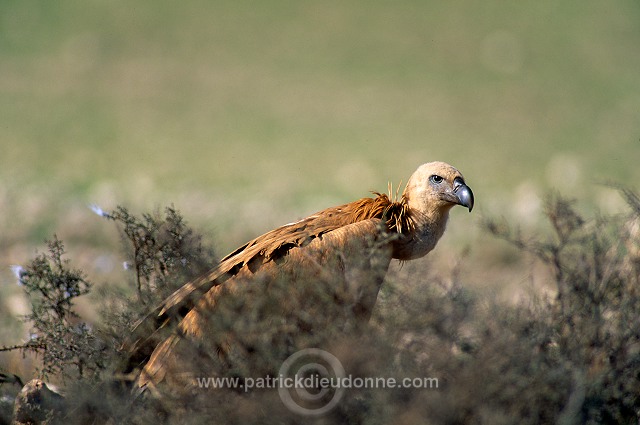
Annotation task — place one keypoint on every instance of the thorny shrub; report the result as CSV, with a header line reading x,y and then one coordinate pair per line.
x,y
66,344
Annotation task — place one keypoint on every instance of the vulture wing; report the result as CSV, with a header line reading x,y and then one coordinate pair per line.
x,y
352,260
276,244
330,229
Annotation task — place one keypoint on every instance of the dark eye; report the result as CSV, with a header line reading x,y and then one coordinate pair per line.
x,y
436,179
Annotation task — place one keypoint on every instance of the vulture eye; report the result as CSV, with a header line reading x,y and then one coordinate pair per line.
x,y
436,179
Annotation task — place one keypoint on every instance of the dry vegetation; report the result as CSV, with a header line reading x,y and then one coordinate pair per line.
x,y
570,358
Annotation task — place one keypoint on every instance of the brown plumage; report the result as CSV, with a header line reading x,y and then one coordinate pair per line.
x,y
353,243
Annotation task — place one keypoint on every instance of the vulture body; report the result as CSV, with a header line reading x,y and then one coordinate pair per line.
x,y
352,244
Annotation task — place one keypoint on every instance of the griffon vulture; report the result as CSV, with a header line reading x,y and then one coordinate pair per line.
x,y
353,243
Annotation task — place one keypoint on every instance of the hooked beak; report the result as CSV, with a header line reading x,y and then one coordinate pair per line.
x,y
463,193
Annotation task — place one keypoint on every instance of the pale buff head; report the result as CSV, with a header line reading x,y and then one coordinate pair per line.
x,y
435,187
430,193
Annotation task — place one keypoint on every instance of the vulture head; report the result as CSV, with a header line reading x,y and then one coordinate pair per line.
x,y
435,187
431,192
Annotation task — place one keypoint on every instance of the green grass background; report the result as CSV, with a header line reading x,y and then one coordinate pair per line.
x,y
248,115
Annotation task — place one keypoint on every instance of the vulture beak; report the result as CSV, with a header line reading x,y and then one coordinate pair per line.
x,y
463,193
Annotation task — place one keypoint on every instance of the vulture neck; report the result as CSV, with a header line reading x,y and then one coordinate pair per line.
x,y
428,225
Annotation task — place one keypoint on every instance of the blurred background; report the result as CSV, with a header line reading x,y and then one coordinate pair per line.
x,y
248,115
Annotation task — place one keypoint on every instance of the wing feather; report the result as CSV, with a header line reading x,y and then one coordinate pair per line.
x,y
275,244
